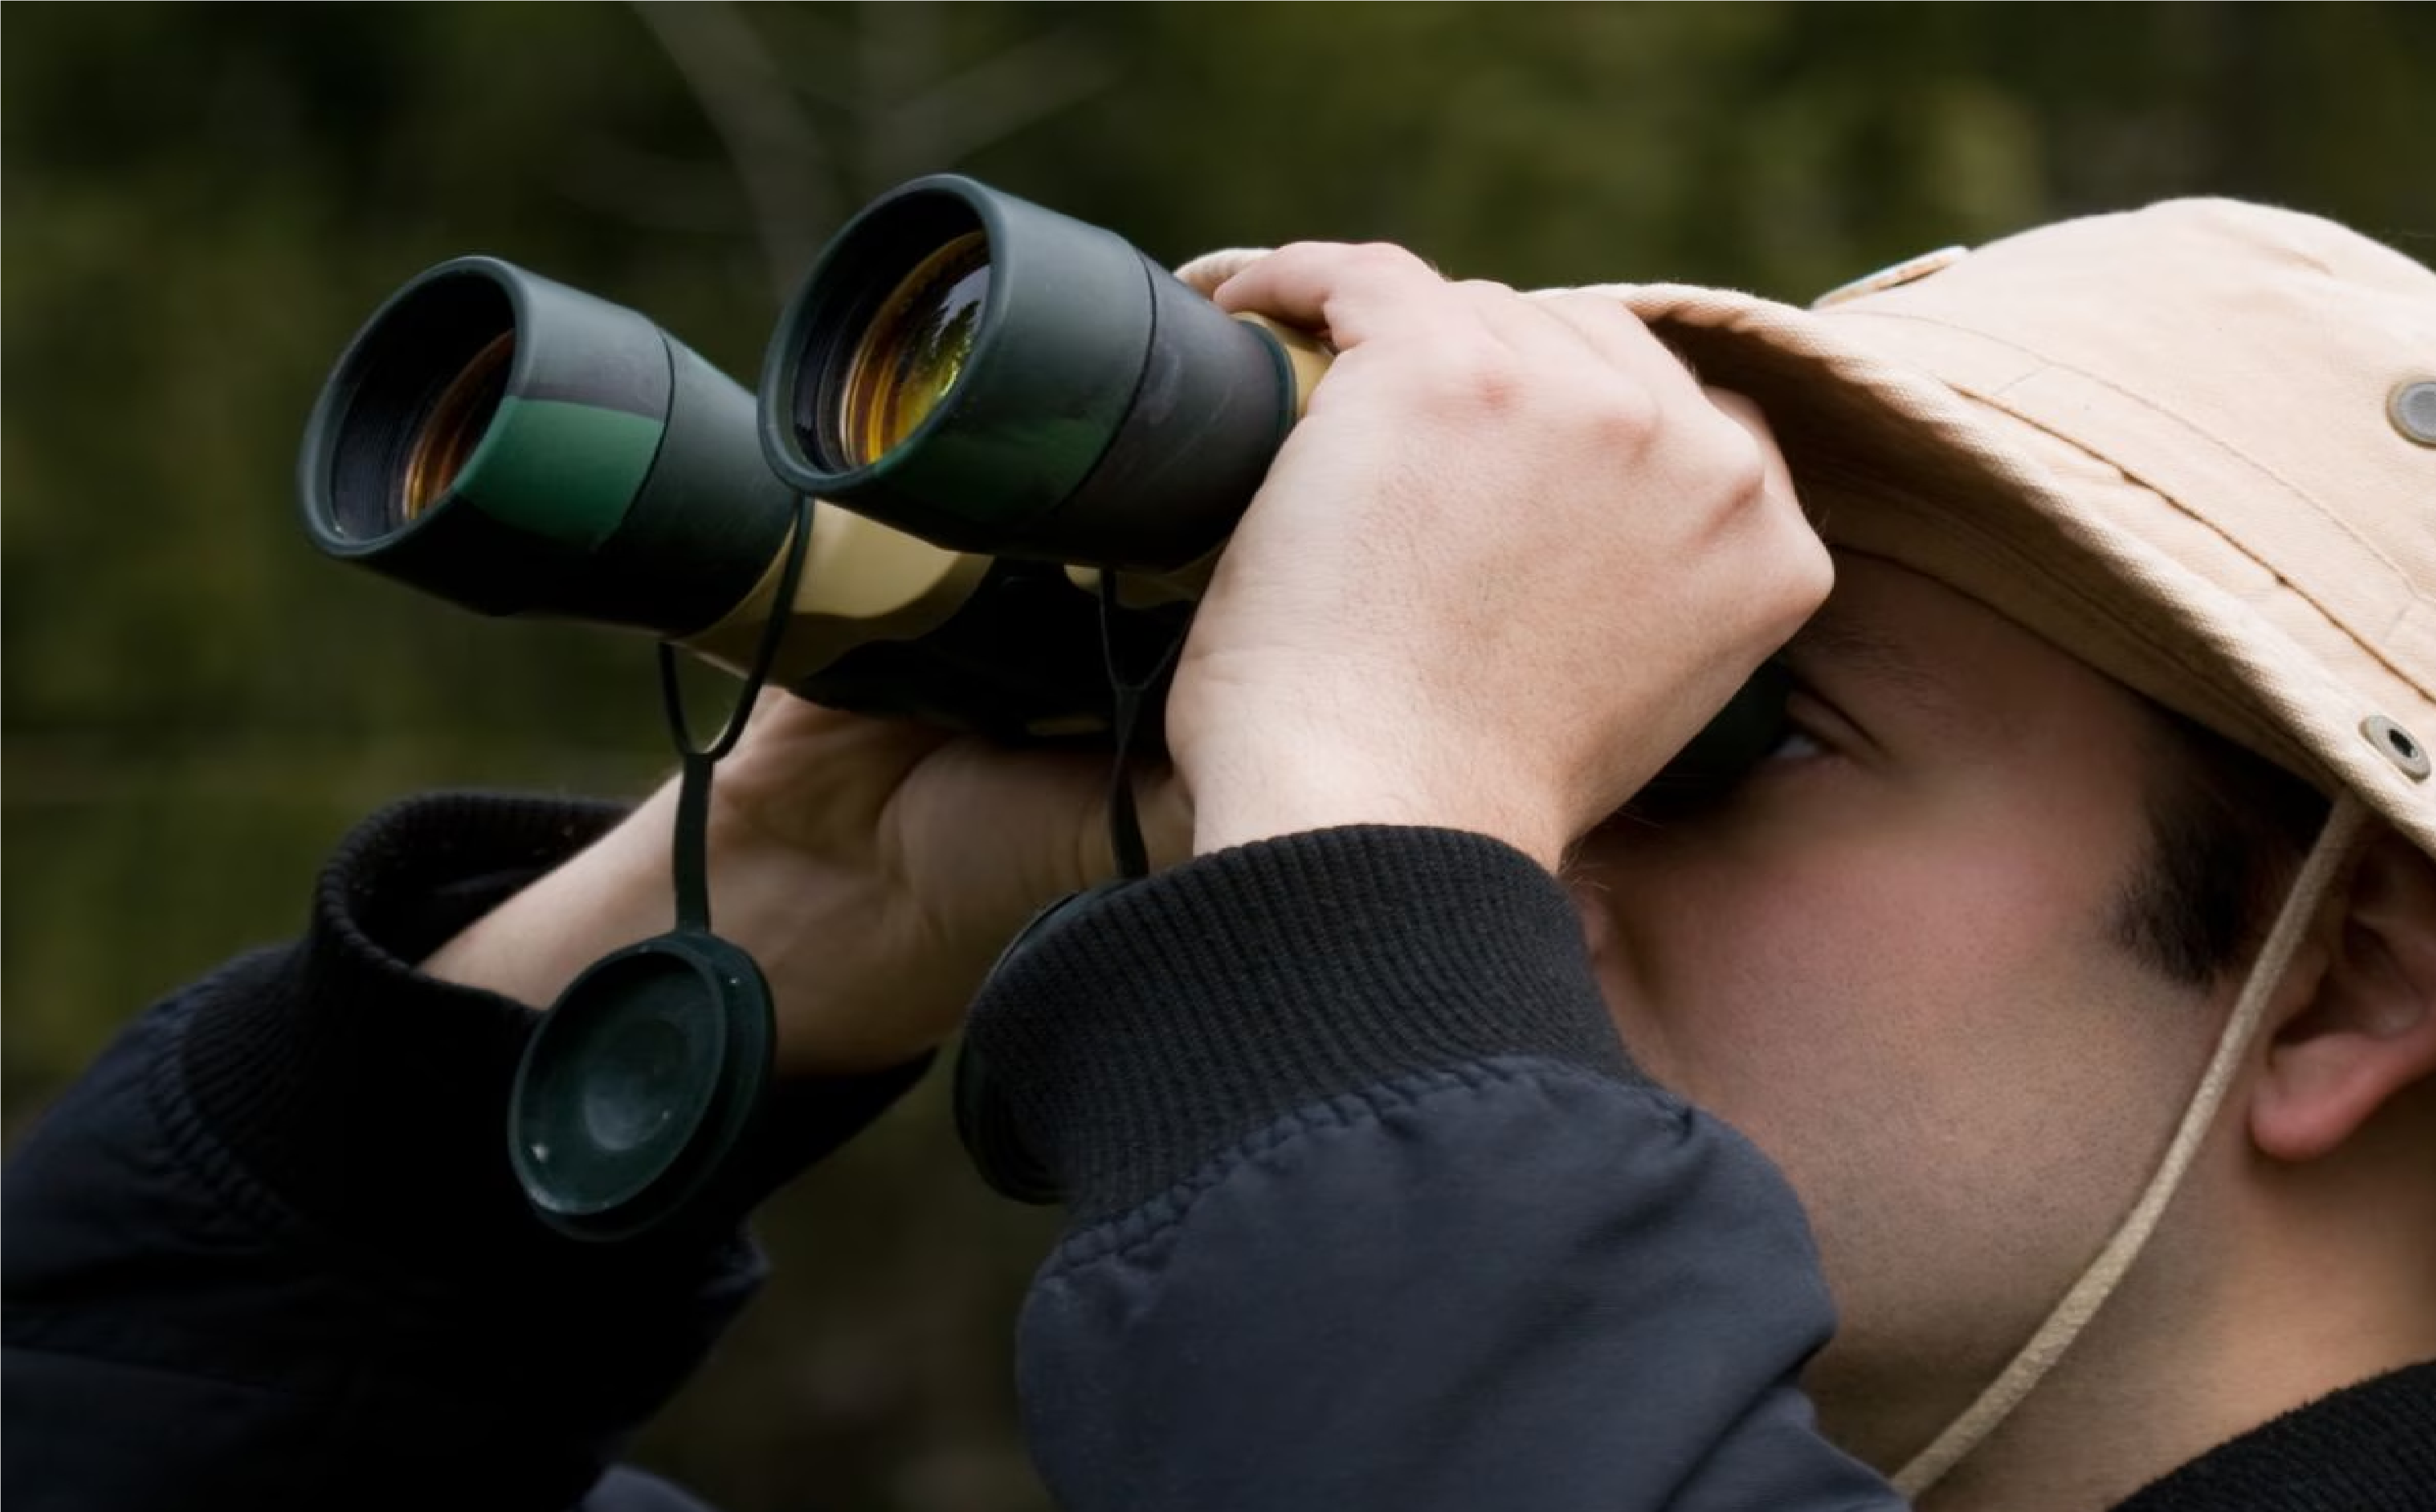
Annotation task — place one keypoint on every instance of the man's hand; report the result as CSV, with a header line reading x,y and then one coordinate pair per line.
x,y
1510,561
1508,565
873,868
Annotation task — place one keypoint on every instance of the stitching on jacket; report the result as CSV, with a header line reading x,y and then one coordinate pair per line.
x,y
1150,1221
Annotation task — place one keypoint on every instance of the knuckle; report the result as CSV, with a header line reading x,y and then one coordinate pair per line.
x,y
1497,384
1741,464
1622,417
1370,261
1455,380
1729,464
1604,313
1388,256
1802,575
1814,573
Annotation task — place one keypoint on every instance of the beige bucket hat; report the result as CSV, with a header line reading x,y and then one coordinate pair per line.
x,y
2194,444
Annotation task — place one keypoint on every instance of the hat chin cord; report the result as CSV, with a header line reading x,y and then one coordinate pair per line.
x,y
2334,847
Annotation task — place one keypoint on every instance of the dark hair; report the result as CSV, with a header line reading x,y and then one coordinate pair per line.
x,y
2227,829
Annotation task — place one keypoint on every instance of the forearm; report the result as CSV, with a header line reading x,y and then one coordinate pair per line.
x,y
765,897
272,1239
1370,1209
615,890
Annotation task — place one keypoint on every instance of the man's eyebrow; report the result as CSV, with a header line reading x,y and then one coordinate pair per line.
x,y
1839,642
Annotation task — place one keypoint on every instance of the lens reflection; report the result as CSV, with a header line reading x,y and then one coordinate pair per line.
x,y
452,429
915,349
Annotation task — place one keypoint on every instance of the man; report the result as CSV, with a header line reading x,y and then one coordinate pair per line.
x,y
2071,958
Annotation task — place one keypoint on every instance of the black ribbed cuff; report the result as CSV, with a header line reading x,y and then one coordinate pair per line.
x,y
1164,1022
2367,1447
374,1099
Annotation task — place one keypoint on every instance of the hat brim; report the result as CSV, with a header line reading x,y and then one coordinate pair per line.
x,y
2048,534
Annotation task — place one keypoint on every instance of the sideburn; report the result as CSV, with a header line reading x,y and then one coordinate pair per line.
x,y
2227,829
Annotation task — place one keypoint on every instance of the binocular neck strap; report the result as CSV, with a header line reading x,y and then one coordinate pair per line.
x,y
690,851
1124,818
2335,844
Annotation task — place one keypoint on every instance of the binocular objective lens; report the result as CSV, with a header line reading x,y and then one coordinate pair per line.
x,y
452,428
915,349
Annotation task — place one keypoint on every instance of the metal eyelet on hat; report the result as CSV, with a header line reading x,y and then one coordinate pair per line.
x,y
1910,269
2398,746
2411,406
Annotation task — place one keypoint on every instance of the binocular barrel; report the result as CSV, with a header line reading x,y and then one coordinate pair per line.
x,y
981,394
517,447
1000,378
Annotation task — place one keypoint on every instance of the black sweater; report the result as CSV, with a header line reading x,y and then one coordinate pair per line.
x,y
1369,1209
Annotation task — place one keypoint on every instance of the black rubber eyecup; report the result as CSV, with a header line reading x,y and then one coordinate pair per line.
x,y
985,1121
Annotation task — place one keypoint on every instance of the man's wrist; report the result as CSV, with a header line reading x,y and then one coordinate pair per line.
x,y
1247,799
611,894
352,1085
1311,967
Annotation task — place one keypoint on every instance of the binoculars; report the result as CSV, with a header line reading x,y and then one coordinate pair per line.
x,y
991,404
1023,444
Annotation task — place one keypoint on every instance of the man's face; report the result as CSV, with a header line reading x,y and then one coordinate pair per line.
x,y
1889,957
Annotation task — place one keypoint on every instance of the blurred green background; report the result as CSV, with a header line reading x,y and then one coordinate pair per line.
x,y
202,202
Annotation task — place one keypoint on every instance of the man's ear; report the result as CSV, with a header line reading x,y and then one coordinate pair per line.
x,y
2368,1027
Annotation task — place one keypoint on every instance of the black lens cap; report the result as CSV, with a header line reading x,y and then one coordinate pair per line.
x,y
640,1085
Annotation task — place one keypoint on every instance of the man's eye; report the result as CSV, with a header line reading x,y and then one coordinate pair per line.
x,y
1758,732
1742,733
1750,732
1794,743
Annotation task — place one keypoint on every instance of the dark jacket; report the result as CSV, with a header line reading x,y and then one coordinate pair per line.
x,y
1368,1209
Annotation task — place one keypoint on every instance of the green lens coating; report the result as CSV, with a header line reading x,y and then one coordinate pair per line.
x,y
452,428
915,349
